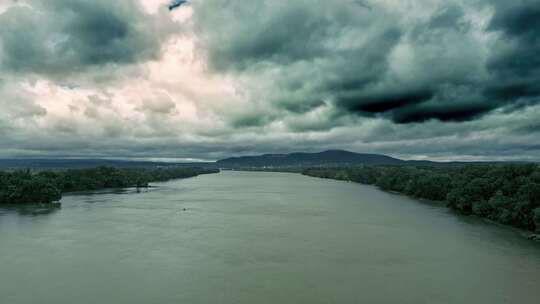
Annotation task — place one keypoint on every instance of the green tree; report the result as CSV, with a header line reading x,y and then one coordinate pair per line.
x,y
536,216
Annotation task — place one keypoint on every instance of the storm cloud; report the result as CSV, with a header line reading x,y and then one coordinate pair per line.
x,y
446,60
62,37
515,64
176,4
206,79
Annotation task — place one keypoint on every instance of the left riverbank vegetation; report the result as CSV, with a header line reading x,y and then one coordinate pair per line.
x,y
508,194
28,187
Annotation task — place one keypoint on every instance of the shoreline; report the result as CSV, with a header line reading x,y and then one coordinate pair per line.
x,y
530,235
48,187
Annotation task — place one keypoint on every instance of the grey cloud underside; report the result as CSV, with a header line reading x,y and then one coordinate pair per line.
x,y
369,61
63,37
515,66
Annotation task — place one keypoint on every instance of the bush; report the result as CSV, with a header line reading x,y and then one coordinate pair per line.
x,y
536,216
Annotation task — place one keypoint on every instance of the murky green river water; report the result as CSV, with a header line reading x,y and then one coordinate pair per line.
x,y
240,237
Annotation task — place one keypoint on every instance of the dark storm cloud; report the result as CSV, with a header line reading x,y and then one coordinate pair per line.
x,y
56,37
352,53
267,38
445,112
176,4
517,18
384,102
515,64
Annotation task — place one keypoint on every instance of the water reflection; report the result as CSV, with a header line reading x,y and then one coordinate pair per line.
x,y
94,196
111,191
31,210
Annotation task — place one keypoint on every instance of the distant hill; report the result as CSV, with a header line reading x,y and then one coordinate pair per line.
x,y
326,158
278,162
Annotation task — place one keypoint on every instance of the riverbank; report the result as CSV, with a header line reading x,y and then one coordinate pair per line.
x,y
45,187
506,194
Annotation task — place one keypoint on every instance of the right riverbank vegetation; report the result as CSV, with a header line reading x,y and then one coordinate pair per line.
x,y
43,187
508,194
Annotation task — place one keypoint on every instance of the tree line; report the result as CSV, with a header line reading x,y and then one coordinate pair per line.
x,y
25,186
508,194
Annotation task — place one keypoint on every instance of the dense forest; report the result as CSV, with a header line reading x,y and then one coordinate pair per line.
x,y
25,186
508,194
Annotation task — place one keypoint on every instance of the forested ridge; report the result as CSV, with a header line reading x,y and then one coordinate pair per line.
x,y
508,194
25,186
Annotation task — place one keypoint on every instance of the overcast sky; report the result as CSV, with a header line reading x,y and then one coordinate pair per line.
x,y
206,79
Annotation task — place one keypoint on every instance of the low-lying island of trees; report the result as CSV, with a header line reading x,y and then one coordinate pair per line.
x,y
27,187
508,194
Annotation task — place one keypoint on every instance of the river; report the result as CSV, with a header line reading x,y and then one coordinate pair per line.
x,y
252,237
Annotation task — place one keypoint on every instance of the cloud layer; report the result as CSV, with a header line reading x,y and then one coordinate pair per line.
x,y
62,37
211,78
447,60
